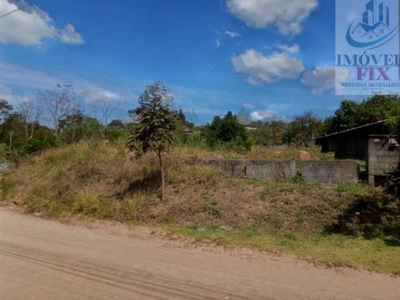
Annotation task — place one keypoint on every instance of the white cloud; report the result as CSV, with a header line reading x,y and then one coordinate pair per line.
x,y
5,93
29,25
261,115
248,105
24,6
93,93
324,79
290,49
218,44
69,36
259,68
36,80
286,15
23,27
232,34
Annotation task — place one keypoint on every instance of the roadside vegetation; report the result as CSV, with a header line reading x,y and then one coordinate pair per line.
x,y
161,179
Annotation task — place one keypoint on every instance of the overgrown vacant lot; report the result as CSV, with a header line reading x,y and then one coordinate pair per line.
x,y
103,181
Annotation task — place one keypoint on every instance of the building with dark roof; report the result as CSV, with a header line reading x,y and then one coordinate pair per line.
x,y
351,143
372,143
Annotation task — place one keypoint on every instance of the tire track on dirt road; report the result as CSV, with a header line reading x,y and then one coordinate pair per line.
x,y
42,259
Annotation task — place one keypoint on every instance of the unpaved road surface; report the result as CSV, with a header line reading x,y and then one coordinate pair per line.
x,y
41,259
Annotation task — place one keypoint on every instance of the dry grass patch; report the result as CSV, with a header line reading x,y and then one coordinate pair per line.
x,y
103,181
257,152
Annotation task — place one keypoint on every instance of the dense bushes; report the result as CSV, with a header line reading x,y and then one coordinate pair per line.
x,y
352,114
371,215
227,132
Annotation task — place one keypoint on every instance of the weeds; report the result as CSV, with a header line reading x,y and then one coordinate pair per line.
x,y
99,180
211,207
373,215
212,210
7,187
354,189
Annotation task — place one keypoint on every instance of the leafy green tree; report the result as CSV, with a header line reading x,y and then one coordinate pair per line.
x,y
179,115
377,108
228,132
5,110
156,125
181,118
268,133
277,129
181,125
13,133
20,132
43,138
302,129
352,114
346,116
78,126
116,130
117,123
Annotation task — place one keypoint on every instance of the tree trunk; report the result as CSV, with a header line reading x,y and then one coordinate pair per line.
x,y
11,140
162,175
26,129
32,130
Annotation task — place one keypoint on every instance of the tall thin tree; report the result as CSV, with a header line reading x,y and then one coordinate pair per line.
x,y
156,125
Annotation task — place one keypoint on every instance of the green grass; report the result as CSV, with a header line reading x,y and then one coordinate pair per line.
x,y
333,249
354,189
7,187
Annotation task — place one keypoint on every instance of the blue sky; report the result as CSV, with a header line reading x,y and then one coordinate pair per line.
x,y
274,58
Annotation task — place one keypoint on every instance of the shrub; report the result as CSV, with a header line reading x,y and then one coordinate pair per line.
x,y
227,132
371,215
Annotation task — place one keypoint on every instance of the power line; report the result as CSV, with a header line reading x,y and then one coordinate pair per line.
x,y
11,12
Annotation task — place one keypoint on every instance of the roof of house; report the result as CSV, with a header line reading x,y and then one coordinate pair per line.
x,y
351,129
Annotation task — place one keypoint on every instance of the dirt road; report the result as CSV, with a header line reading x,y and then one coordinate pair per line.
x,y
41,259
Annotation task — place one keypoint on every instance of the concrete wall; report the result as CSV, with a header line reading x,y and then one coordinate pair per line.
x,y
257,168
327,172
383,158
330,172
271,169
234,167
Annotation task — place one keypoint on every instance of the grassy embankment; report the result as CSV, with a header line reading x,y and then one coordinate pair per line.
x,y
103,181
